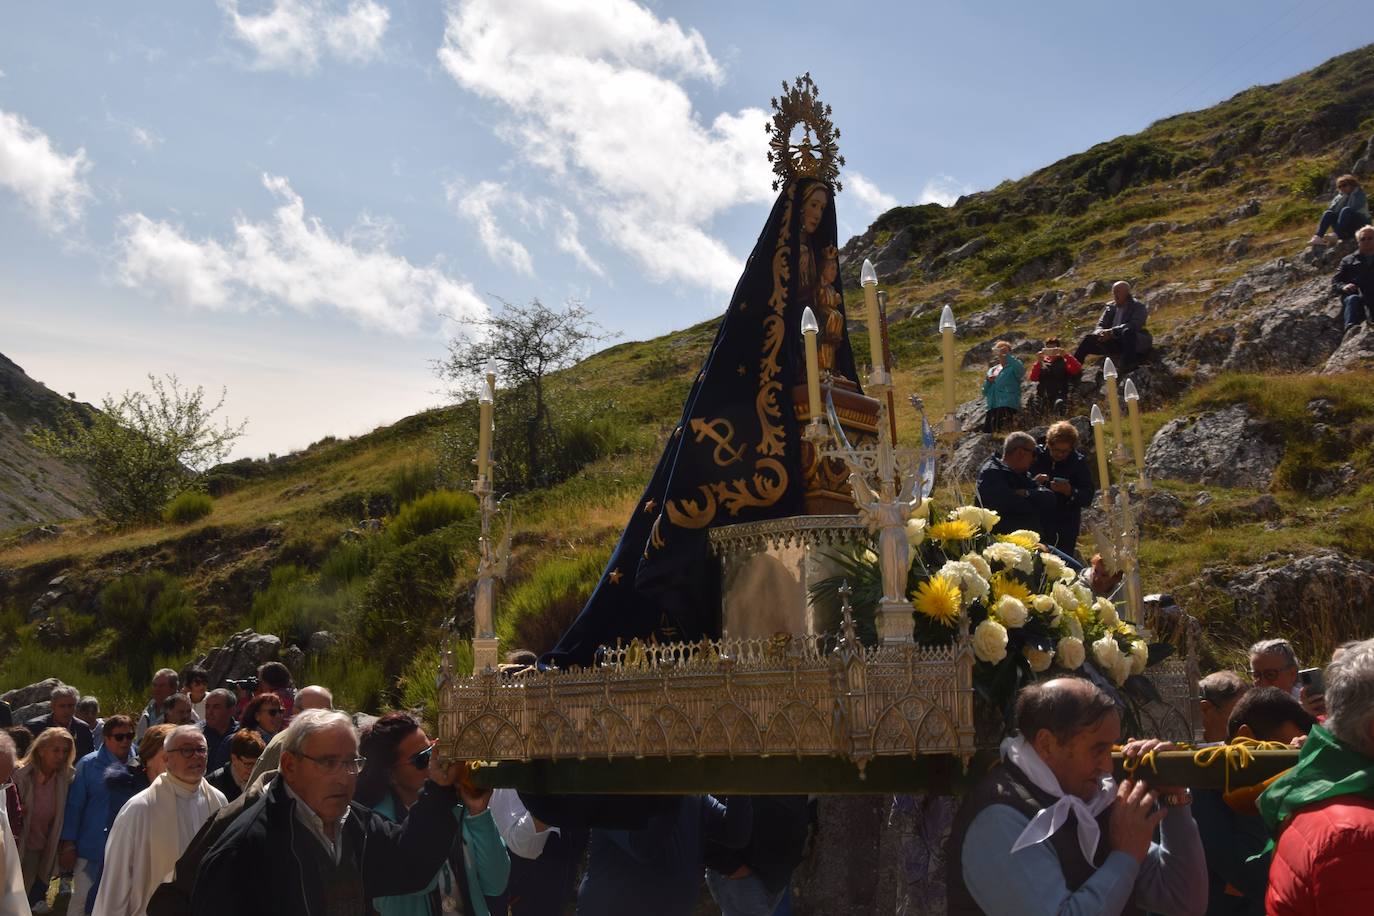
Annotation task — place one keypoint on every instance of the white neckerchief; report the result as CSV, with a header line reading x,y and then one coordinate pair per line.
x,y
1047,820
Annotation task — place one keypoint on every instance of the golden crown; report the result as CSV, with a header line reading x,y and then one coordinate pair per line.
x,y
816,154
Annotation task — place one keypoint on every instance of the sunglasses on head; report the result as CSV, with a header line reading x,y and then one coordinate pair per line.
x,y
420,760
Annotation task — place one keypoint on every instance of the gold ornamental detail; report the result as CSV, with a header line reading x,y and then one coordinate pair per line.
x,y
813,155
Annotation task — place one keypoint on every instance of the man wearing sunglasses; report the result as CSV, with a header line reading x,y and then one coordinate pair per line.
x,y
155,826
311,849
82,850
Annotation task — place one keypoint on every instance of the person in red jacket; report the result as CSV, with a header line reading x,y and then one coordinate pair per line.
x,y
1323,808
1053,371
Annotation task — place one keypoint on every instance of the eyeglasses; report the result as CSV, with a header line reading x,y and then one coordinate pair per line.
x,y
122,736
1268,674
350,765
189,752
420,760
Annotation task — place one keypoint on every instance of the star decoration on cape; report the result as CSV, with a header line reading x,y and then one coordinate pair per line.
x,y
649,507
615,576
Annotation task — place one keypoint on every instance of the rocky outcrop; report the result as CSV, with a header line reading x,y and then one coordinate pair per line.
x,y
31,701
240,656
1356,351
1226,447
1282,594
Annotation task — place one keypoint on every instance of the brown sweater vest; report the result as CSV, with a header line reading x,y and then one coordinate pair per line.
x,y
1007,785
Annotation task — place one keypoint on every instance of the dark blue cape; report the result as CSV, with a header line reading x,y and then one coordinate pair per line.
x,y
734,457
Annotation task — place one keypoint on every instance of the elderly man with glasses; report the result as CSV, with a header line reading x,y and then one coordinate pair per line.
x,y
155,826
311,848
82,847
1006,487
1273,663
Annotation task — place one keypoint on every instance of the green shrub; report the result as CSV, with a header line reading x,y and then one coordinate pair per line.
x,y
356,680
1212,178
430,513
1312,181
537,611
348,562
413,480
152,614
590,439
187,507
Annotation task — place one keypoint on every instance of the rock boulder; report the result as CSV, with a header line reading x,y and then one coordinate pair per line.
x,y
1283,594
31,701
1356,351
1225,447
240,656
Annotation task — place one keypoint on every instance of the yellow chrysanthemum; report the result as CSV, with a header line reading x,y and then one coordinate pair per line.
x,y
1022,538
938,598
1002,585
954,530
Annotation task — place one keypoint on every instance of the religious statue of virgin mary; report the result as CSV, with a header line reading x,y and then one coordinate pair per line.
x,y
736,454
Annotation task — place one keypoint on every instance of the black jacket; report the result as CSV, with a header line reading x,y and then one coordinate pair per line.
x,y
1067,516
1130,316
85,741
252,867
223,779
1358,269
1000,489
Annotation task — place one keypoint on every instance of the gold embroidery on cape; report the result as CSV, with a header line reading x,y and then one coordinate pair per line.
x,y
688,513
736,495
708,429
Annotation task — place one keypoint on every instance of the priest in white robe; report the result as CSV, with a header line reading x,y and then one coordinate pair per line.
x,y
156,825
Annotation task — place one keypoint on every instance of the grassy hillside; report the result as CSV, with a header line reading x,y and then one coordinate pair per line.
x,y
286,548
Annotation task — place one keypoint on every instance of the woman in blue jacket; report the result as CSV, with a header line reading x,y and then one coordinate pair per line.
x,y
1002,388
397,751
1349,211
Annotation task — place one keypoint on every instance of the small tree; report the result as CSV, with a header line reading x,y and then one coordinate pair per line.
x,y
140,450
528,343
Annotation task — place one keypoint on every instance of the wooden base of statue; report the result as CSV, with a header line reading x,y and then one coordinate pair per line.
x,y
827,481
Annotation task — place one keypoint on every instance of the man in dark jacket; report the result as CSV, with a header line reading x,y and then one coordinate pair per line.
x,y
1059,466
1006,487
63,715
1120,332
1354,280
312,851
755,878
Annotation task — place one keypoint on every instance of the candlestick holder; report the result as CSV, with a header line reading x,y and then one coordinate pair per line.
x,y
492,563
886,481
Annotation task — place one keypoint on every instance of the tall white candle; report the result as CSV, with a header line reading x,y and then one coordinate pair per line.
x,y
813,364
483,433
1113,406
491,376
868,278
947,350
1100,446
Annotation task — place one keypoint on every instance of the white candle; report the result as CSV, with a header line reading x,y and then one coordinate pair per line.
x,y
947,348
813,371
1113,406
868,278
1100,445
483,433
491,377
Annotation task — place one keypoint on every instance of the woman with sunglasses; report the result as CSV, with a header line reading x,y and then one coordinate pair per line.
x,y
471,882
43,777
264,715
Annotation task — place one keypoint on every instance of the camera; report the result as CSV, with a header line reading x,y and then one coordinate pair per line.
x,y
1312,679
247,684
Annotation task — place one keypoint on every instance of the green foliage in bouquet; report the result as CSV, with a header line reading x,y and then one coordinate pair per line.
x,y
1028,614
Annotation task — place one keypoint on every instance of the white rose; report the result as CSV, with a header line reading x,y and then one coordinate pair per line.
x,y
978,563
916,531
1025,534
1083,594
1054,567
1106,612
924,510
1075,626
1121,670
1140,656
971,585
990,641
977,517
990,519
1039,658
1064,597
1071,653
1043,603
1068,575
1011,611
1106,653
1010,555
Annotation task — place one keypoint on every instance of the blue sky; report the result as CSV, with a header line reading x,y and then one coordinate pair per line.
x,y
288,198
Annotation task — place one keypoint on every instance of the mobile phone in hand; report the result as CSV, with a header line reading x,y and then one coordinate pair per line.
x,y
1312,679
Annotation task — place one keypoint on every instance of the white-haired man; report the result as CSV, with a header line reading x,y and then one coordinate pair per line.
x,y
312,697
310,848
1120,332
165,683
1323,808
62,714
155,826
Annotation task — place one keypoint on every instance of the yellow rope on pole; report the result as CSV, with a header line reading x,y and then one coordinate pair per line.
x,y
1236,755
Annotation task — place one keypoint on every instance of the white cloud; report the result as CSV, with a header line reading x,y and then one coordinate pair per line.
x,y
52,185
869,194
943,190
140,135
595,96
293,260
479,205
294,34
569,241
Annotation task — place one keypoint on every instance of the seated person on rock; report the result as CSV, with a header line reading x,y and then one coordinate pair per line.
x,y
1053,371
1232,831
1349,211
1354,280
1006,487
1060,466
1120,332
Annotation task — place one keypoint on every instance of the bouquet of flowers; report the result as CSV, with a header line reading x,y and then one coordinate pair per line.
x,y
1027,612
